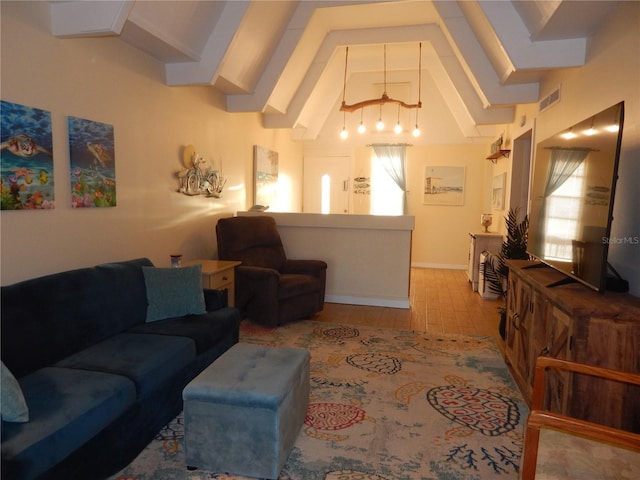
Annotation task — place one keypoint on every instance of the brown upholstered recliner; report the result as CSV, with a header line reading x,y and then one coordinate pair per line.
x,y
270,288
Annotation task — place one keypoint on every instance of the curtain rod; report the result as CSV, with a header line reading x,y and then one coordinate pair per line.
x,y
576,149
389,145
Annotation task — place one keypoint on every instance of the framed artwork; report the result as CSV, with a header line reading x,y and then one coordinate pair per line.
x,y
265,163
498,191
93,169
26,158
444,185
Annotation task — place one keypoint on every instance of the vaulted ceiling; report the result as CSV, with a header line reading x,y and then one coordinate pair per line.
x,y
286,59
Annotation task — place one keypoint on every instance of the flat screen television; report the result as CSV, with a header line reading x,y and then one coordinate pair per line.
x,y
571,197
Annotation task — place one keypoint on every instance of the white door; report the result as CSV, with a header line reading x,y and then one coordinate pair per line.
x,y
326,185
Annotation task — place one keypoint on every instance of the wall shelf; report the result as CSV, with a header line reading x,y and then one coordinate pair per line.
x,y
497,154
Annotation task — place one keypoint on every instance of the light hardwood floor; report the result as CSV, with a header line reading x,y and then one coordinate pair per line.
x,y
441,301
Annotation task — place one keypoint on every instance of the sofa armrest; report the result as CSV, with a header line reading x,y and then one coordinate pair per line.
x,y
215,299
309,267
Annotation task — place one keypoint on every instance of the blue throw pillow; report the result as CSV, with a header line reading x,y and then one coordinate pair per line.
x,y
12,403
173,292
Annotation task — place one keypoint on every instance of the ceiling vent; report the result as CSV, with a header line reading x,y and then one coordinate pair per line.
x,y
550,100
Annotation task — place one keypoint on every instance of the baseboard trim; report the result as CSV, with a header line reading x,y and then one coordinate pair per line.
x,y
445,266
369,301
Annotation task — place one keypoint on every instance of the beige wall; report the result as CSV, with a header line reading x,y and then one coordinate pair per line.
x,y
441,234
104,80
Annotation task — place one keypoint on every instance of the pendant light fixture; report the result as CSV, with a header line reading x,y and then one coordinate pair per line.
x,y
380,124
385,98
361,127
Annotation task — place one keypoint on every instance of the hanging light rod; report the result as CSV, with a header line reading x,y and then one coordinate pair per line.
x,y
385,98
377,101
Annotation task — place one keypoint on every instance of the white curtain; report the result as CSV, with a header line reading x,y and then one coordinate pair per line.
x,y
392,158
564,161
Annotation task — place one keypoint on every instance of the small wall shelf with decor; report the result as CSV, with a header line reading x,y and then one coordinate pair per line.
x,y
497,154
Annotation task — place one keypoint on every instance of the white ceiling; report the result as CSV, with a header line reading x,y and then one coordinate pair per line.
x,y
286,59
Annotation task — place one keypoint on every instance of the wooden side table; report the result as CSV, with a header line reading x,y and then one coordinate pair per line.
x,y
218,275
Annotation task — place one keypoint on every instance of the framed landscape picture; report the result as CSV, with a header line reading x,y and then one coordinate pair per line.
x,y
444,185
265,163
498,191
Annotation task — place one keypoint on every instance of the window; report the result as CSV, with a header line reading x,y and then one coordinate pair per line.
x,y
326,194
563,212
387,180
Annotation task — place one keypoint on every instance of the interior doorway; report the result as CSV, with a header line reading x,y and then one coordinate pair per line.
x,y
326,185
521,173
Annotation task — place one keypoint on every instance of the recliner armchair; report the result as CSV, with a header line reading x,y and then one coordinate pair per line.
x,y
271,289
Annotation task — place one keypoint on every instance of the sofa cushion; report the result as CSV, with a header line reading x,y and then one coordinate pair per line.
x,y
46,319
173,292
147,360
205,330
67,407
13,406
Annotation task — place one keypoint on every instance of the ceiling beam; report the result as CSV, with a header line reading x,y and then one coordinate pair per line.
x,y
205,71
89,19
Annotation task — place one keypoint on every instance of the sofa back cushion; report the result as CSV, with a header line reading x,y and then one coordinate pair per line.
x,y
47,319
253,240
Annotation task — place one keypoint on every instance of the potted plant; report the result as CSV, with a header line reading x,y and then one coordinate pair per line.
x,y
514,247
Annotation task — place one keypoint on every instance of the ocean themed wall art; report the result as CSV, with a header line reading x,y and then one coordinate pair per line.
x,y
444,185
93,165
265,163
26,158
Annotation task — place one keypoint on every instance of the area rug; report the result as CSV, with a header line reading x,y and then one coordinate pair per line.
x,y
385,405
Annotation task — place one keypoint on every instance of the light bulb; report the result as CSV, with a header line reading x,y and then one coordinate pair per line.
x,y
380,125
591,131
397,128
362,128
416,131
344,134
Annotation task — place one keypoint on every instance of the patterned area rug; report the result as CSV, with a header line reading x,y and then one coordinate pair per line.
x,y
385,405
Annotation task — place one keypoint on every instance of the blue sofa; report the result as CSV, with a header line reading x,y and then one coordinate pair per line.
x,y
101,356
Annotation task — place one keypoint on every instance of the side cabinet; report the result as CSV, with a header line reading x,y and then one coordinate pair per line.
x,y
573,322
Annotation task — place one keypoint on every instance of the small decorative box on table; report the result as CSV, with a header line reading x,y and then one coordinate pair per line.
x,y
218,275
243,413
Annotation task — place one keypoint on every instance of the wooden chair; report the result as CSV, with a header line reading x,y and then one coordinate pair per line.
x,y
614,438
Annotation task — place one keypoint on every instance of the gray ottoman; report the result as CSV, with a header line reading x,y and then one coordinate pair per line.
x,y
243,413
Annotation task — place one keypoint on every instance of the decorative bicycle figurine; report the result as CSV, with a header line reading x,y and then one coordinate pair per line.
x,y
200,179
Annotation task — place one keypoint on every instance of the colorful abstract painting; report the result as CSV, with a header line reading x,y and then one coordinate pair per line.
x,y
93,169
26,158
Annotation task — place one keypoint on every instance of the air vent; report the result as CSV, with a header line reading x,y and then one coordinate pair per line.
x,y
550,100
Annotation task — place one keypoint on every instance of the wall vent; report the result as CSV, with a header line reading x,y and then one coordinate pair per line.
x,y
550,100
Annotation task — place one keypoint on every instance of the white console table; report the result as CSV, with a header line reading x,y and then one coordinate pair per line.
x,y
479,242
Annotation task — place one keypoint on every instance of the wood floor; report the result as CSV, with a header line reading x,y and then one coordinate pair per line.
x,y
441,301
